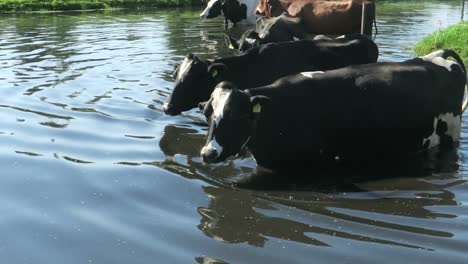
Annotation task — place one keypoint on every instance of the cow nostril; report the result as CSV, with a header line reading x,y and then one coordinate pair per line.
x,y
210,155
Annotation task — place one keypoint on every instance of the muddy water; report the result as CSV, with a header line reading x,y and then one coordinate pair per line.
x,y
92,171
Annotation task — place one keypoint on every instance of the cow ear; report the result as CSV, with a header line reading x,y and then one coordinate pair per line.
x,y
205,108
202,105
216,70
258,102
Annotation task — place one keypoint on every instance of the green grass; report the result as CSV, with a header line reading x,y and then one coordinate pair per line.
x,y
62,5
454,37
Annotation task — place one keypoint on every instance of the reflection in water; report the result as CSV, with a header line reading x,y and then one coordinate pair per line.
x,y
254,217
181,140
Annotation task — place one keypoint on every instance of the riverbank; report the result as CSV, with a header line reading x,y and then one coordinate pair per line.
x,y
7,6
454,37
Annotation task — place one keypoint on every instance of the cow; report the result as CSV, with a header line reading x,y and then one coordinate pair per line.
x,y
367,111
232,10
195,78
276,29
323,17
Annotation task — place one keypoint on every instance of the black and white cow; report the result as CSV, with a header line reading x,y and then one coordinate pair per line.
x,y
196,78
276,29
232,10
371,110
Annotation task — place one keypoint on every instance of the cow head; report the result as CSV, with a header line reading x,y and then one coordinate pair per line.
x,y
194,81
231,114
232,10
249,38
213,9
269,8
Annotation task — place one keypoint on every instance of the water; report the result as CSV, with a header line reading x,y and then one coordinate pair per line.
x,y
94,172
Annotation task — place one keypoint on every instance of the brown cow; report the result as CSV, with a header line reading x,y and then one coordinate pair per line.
x,y
323,17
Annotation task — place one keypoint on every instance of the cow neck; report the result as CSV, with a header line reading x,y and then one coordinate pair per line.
x,y
254,125
211,83
235,69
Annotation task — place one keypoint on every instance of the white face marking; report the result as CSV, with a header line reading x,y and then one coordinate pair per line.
x,y
210,4
220,97
453,129
295,39
184,67
436,58
311,74
212,145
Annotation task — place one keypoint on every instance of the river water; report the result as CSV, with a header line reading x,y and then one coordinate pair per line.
x,y
92,171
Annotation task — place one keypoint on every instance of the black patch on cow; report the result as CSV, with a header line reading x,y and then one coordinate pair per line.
x,y
441,130
441,127
215,9
426,144
234,11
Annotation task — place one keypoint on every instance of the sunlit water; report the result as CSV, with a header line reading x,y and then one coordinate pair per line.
x,y
92,171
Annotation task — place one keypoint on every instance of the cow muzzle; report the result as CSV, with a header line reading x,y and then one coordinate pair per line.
x,y
168,109
209,155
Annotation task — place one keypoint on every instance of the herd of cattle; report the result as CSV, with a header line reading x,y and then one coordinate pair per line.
x,y
321,100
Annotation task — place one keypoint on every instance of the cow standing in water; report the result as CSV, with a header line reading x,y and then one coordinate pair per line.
x,y
232,10
195,78
360,112
323,17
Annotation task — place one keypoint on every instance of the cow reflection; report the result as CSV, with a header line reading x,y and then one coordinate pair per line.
x,y
232,217
181,140
254,217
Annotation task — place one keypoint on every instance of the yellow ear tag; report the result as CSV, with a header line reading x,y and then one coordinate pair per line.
x,y
214,73
231,46
257,108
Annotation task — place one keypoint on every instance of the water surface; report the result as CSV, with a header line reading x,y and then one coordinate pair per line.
x,y
94,172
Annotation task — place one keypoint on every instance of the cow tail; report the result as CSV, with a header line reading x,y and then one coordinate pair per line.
x,y
450,53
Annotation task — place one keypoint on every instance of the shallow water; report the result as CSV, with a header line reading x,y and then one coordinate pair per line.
x,y
94,172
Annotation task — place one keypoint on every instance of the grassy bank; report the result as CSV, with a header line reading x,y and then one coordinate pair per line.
x,y
454,37
63,5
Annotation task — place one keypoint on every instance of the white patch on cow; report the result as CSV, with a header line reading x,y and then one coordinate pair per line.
x,y
436,58
184,67
341,37
212,145
296,39
429,57
220,97
444,63
311,74
453,129
205,12
250,40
